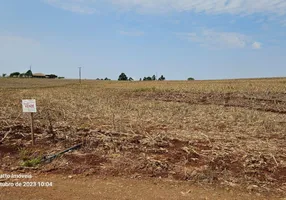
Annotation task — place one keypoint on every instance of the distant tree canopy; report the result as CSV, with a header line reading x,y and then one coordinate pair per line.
x,y
15,74
147,78
162,78
51,76
22,75
140,79
153,78
130,79
191,79
29,73
122,77
101,79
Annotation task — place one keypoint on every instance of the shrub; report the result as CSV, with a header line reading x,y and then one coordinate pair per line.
x,y
162,78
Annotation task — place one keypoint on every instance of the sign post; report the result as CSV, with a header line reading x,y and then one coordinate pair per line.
x,y
29,106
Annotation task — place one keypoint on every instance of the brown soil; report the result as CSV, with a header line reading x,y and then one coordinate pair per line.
x,y
87,188
217,139
109,153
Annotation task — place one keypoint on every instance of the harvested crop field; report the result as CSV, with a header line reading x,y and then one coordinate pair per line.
x,y
228,133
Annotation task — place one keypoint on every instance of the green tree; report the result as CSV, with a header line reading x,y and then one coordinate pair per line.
x,y
15,74
52,76
4,75
162,78
22,75
130,79
107,79
153,78
191,79
122,77
29,73
148,78
140,79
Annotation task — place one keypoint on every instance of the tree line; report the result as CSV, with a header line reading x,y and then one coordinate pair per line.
x,y
28,74
124,77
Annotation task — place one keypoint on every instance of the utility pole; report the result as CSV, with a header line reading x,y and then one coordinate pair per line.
x,y
79,74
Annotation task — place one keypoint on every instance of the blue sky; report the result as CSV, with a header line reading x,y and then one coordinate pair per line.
x,y
210,39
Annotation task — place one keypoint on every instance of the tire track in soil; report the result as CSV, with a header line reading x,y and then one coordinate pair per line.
x,y
274,105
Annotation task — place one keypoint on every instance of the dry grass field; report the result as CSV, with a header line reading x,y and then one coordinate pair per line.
x,y
230,133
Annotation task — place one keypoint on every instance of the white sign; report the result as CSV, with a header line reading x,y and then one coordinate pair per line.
x,y
29,105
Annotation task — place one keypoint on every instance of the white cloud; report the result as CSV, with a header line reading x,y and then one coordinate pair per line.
x,y
132,33
256,45
220,40
241,7
77,6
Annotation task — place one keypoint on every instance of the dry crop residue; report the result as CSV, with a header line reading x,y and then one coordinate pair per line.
x,y
235,139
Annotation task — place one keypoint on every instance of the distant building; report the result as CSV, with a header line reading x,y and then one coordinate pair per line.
x,y
39,75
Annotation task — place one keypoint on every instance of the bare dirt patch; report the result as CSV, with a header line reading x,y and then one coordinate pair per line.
x,y
93,187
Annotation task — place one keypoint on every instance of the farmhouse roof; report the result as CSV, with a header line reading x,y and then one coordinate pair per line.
x,y
39,74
